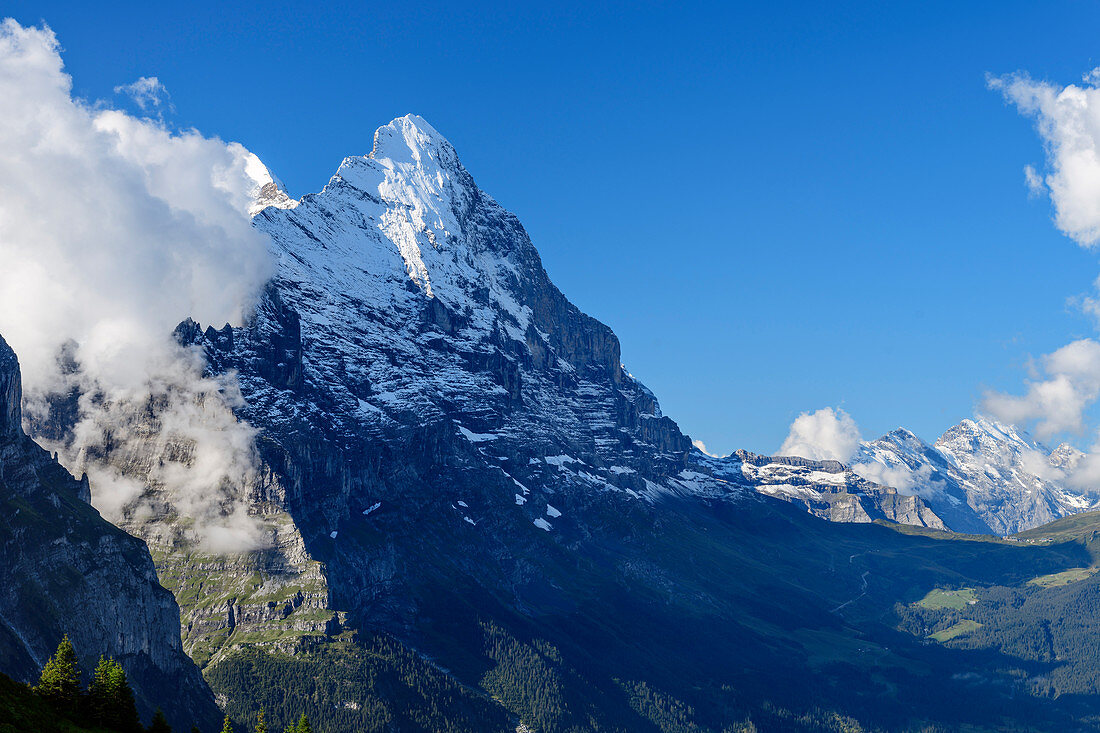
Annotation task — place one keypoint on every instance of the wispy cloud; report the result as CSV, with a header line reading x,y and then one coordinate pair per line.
x,y
148,94
703,447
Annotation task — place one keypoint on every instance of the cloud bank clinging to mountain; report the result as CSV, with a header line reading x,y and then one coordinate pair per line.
x,y
113,229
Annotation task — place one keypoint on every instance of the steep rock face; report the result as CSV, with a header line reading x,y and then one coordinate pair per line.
x,y
412,359
980,476
257,582
66,570
11,395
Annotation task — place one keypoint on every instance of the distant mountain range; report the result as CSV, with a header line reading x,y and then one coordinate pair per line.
x,y
983,476
980,477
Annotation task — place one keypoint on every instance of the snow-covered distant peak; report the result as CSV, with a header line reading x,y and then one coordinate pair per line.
x,y
985,428
901,437
999,471
1066,457
267,190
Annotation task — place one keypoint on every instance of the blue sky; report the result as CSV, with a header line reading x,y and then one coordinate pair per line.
x,y
778,207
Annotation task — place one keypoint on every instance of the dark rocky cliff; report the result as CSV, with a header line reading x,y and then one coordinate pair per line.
x,y
63,569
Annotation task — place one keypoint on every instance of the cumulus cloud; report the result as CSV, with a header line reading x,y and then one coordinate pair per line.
x,y
113,229
1067,383
1068,120
828,434
148,94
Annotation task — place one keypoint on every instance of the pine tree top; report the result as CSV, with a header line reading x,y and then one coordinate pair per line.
x,y
60,679
160,723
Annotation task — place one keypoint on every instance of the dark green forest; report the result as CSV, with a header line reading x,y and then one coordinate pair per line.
x,y
61,703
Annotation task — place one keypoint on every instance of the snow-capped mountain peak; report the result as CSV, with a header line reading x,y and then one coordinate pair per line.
x,y
419,300
267,190
1066,458
980,475
415,170
412,141
986,434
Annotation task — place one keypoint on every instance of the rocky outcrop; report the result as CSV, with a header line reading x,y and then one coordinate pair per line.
x,y
63,569
827,489
11,394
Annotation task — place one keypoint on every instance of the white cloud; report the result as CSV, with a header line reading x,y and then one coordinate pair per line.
x,y
703,447
1035,185
112,230
1088,304
1068,120
1038,464
827,434
148,93
1084,474
1067,384
906,480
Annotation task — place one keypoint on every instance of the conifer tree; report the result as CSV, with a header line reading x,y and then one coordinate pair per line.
x,y
228,727
60,680
124,714
99,695
110,699
303,725
261,724
159,723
